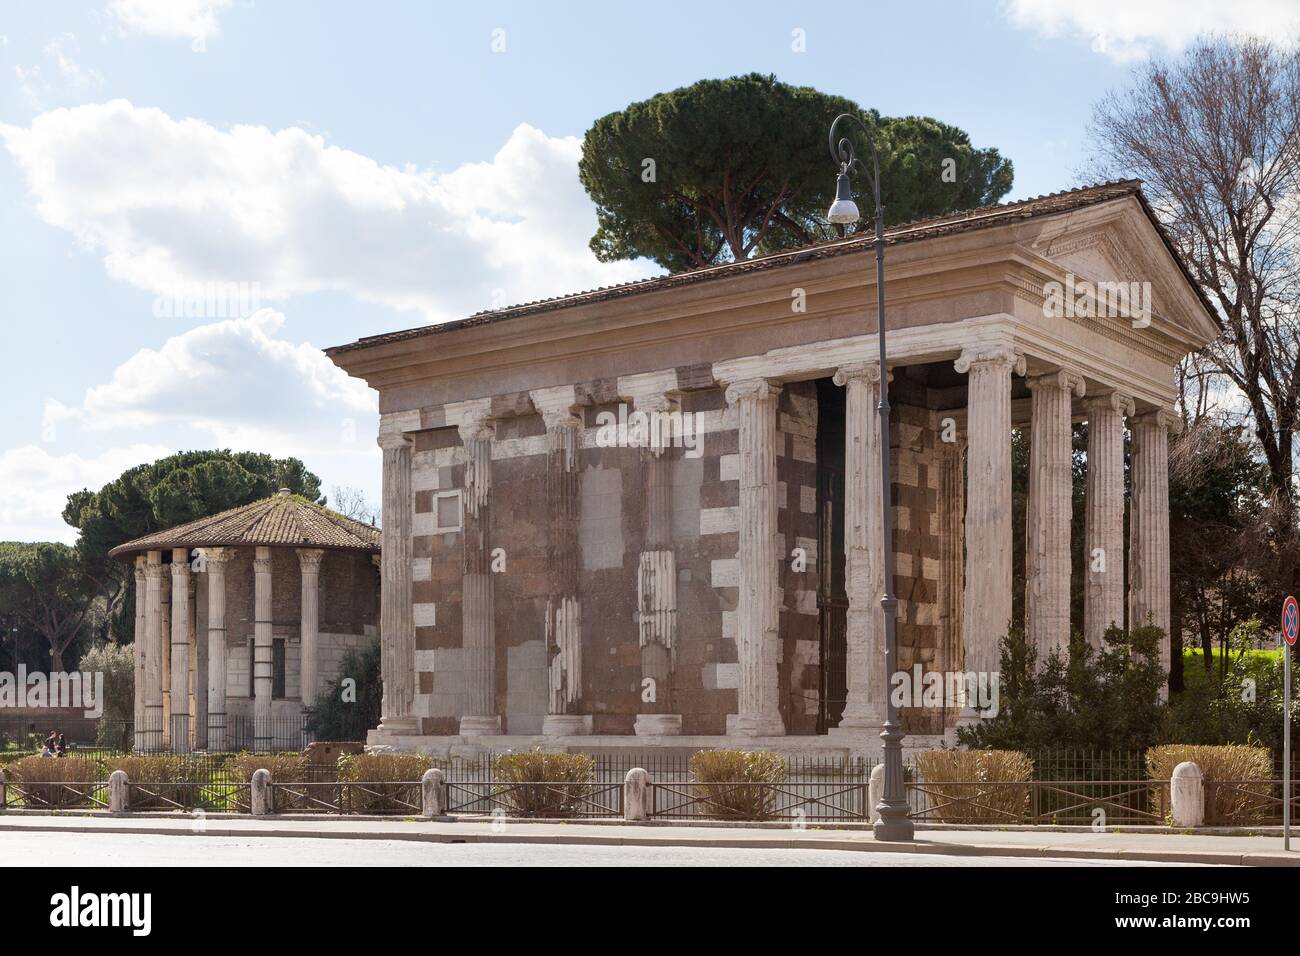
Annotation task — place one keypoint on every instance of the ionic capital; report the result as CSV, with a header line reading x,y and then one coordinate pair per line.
x,y
1061,378
389,440
477,429
864,371
1116,402
752,388
996,356
557,406
1164,418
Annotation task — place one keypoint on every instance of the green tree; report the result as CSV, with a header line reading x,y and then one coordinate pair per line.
x,y
1106,700
46,587
163,494
741,166
345,711
117,663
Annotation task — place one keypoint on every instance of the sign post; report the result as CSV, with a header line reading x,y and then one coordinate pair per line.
x,y
1290,628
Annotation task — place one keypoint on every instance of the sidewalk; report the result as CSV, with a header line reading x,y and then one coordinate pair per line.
x,y
1161,847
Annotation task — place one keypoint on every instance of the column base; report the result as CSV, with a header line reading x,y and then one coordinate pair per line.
x,y
399,726
480,726
564,725
755,725
658,725
864,730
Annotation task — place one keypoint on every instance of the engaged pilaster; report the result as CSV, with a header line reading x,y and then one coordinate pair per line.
x,y
396,612
654,395
757,637
987,611
864,710
479,654
1103,559
559,411
1149,526
1047,551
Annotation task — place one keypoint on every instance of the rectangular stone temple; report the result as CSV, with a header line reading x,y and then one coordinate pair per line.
x,y
649,516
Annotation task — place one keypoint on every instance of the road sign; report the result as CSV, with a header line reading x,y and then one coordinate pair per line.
x,y
1290,619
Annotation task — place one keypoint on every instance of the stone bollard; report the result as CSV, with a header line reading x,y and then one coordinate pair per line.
x,y
1187,795
636,795
261,792
119,800
433,793
875,790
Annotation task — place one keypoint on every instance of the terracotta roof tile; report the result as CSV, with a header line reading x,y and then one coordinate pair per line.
x,y
282,520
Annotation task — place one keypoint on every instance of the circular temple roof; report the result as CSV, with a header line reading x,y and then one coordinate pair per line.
x,y
282,520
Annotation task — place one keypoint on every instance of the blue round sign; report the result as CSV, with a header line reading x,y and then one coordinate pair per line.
x,y
1290,619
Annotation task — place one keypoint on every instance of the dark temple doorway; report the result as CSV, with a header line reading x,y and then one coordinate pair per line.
x,y
832,599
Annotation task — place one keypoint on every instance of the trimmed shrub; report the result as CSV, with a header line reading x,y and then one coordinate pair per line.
x,y
535,783
953,780
731,778
286,768
54,783
1235,804
392,781
166,781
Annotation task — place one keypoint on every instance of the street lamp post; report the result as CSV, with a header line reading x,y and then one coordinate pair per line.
x,y
893,823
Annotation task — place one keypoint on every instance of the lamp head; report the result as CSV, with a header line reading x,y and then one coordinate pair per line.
x,y
844,210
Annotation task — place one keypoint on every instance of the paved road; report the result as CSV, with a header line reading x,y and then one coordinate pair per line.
x,y
125,849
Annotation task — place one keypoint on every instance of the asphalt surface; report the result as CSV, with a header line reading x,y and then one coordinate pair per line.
x,y
127,849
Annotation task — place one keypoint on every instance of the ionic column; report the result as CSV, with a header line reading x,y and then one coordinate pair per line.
x,y
864,710
952,538
182,613
477,609
1103,558
757,637
1047,550
215,560
137,652
396,610
263,653
656,585
563,604
987,611
309,661
1149,526
153,645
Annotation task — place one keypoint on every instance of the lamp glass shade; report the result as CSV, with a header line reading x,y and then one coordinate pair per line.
x,y
843,210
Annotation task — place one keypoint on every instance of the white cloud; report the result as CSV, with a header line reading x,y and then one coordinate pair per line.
x,y
69,75
195,20
170,203
1127,30
231,383
37,484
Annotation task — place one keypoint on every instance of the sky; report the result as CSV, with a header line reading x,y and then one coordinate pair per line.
x,y
197,196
